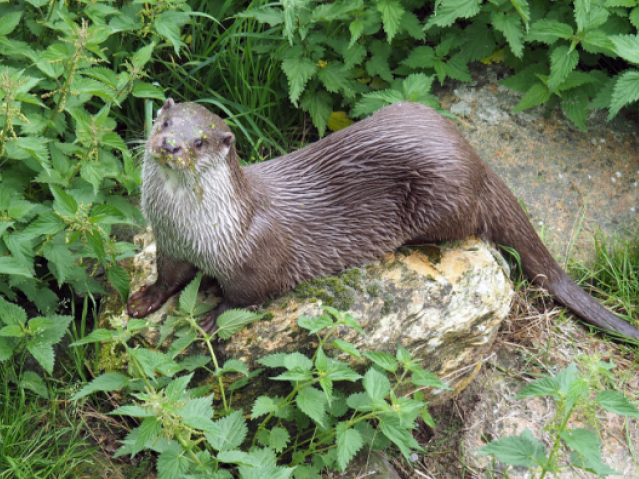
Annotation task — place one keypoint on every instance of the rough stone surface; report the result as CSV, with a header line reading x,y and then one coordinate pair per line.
x,y
444,304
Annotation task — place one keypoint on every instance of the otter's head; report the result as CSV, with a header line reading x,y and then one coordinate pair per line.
x,y
186,136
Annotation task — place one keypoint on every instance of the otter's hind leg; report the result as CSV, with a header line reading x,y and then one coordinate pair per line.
x,y
173,275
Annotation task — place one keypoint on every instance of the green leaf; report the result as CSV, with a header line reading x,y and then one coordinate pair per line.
x,y
634,17
523,450
231,431
312,402
64,203
12,314
169,30
457,68
273,360
541,387
347,348
396,432
428,379
102,74
133,411
627,47
297,360
93,87
587,453
145,90
12,266
334,77
383,360
392,12
9,22
298,70
173,463
562,62
536,95
296,374
43,353
421,57
349,441
46,224
279,438
120,280
376,384
371,102
360,402
548,31
412,25
378,65
191,363
105,382
319,105
175,390
7,347
265,405
575,105
188,297
510,25
523,9
450,10
33,382
96,336
270,15
617,403
234,320
625,91
314,324
149,431
597,41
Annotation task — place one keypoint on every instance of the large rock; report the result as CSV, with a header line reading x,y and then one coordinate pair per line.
x,y
442,303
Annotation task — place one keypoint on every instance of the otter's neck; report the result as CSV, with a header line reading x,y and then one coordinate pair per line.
x,y
199,217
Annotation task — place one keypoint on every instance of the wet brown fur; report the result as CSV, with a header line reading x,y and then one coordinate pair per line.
x,y
403,176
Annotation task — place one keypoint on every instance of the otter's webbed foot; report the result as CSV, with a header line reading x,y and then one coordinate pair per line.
x,y
149,299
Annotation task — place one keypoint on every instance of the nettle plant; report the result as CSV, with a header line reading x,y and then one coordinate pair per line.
x,y
351,57
575,394
66,70
314,426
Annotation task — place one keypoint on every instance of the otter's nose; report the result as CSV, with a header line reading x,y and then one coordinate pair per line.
x,y
171,146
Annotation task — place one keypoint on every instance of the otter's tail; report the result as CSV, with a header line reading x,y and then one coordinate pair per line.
x,y
507,225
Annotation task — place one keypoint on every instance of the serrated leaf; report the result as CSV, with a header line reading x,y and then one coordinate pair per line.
x,y
105,382
93,87
234,320
31,381
562,62
625,91
12,314
265,405
298,70
334,77
587,453
191,363
392,12
597,41
64,203
119,278
457,68
376,384
270,15
319,105
510,25
396,432
146,90
169,30
46,224
188,297
9,22
102,74
347,348
523,450
548,31
279,438
149,430
371,102
575,106
273,360
450,10
312,402
384,360
177,388
617,403
96,336
132,410
297,360
173,463
546,386
11,266
627,47
349,441
634,17
231,431
428,379
421,57
536,95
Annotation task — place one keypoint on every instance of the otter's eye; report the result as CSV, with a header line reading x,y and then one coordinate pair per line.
x,y
198,143
166,123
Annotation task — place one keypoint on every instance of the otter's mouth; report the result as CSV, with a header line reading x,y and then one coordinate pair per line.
x,y
172,154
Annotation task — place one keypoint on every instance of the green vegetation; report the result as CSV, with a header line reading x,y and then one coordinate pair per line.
x,y
571,391
79,82
314,421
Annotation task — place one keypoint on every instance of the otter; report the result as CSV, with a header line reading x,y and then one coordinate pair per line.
x,y
403,176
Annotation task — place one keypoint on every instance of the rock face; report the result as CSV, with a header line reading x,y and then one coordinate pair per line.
x,y
442,303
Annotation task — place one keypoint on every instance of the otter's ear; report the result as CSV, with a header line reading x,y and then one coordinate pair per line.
x,y
168,104
228,138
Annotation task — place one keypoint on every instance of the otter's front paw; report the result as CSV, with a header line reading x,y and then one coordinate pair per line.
x,y
149,299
